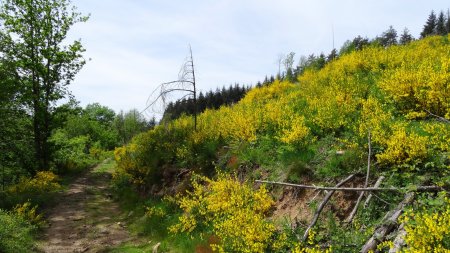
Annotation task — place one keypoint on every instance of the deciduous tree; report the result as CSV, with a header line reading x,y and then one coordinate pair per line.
x,y
34,36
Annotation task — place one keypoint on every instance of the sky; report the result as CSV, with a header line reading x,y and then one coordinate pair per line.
x,y
132,46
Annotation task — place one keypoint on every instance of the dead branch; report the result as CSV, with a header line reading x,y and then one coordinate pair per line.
x,y
437,116
361,195
377,184
355,208
322,205
380,199
368,189
389,223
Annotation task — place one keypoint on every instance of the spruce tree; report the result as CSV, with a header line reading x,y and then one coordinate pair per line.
x,y
440,24
430,26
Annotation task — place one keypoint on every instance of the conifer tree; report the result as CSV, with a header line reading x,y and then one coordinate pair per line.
x,y
440,24
430,26
406,37
389,37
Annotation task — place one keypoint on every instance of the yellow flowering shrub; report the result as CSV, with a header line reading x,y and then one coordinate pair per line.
x,y
309,246
43,182
29,213
427,230
422,80
233,211
154,212
374,119
439,133
403,147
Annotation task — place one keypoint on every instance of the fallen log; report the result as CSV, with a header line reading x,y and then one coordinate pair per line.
x,y
389,223
322,205
399,241
368,189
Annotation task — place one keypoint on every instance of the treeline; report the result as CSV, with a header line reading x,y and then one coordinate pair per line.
x,y
209,100
436,25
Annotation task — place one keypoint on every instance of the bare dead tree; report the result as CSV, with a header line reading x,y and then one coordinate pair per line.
x,y
185,85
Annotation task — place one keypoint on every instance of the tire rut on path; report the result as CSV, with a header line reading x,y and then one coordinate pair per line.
x,y
85,218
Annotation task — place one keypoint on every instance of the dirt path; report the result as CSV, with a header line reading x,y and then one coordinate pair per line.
x,y
85,218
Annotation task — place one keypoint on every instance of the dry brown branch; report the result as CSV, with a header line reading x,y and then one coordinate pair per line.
x,y
185,84
322,205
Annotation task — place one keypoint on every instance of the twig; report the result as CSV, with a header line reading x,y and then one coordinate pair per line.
x,y
377,184
368,189
437,116
322,205
315,196
380,199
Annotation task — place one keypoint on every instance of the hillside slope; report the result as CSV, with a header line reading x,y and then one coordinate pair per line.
x,y
317,130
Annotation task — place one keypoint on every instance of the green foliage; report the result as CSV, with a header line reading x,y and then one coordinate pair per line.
x,y
15,233
33,39
130,124
97,127
16,142
71,154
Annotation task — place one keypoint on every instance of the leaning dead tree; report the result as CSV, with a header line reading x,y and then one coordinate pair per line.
x,y
184,86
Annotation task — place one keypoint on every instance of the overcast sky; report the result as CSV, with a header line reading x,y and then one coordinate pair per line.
x,y
134,45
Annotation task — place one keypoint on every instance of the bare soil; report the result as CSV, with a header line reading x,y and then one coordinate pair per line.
x,y
85,218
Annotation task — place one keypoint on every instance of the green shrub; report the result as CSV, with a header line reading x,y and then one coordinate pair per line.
x,y
15,233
